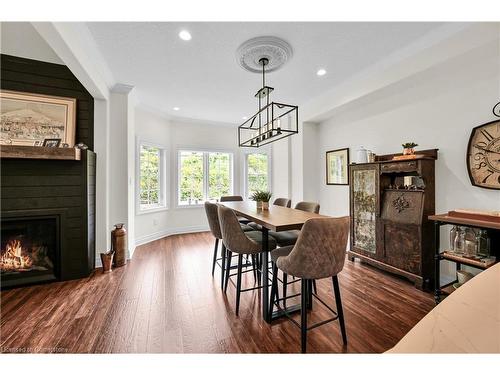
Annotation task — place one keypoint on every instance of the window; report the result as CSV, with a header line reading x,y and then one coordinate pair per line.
x,y
204,176
257,173
151,177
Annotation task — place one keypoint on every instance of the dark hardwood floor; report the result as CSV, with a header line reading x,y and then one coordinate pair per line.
x,y
165,300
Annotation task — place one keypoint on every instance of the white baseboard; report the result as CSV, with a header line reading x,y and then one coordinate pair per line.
x,y
158,235
169,232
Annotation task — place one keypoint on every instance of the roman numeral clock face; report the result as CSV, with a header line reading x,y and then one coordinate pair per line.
x,y
483,159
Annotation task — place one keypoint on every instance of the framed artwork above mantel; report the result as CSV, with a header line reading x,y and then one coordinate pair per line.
x,y
337,162
27,119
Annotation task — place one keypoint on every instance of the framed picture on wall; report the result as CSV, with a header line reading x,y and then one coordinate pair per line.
x,y
27,118
337,162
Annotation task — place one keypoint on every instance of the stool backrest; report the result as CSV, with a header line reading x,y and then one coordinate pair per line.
x,y
213,219
231,198
308,206
284,202
233,236
320,250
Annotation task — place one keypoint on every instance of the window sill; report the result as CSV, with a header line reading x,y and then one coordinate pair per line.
x,y
151,210
183,206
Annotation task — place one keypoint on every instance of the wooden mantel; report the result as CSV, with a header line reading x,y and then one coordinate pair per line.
x,y
34,152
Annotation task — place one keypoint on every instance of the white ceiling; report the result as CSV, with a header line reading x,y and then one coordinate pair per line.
x,y
203,78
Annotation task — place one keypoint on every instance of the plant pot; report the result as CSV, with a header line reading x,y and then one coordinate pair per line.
x,y
107,261
259,205
265,205
408,151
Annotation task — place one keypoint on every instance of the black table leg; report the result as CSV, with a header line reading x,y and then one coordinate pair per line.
x,y
265,275
437,260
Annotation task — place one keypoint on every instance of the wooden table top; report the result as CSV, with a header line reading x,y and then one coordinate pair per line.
x,y
277,218
465,221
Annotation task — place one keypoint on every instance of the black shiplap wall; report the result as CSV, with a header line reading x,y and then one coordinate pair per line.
x,y
48,184
19,74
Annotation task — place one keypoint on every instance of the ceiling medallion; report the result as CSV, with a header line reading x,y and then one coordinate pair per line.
x,y
274,49
273,121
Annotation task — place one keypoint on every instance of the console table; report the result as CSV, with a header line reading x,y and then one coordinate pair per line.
x,y
493,229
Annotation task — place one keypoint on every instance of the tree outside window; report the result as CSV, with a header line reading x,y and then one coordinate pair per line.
x,y
150,177
204,176
257,173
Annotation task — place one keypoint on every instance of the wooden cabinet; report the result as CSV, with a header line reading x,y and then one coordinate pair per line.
x,y
389,224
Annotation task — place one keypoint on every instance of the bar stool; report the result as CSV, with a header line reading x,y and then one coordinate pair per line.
x,y
213,223
289,237
241,243
235,198
320,252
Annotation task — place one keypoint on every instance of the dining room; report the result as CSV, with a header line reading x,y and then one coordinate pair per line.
x,y
297,186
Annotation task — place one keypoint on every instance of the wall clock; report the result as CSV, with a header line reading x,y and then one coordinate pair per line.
x,y
483,155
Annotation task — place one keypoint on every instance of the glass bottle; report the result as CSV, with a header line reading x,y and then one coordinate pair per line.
x,y
483,243
470,245
453,235
459,244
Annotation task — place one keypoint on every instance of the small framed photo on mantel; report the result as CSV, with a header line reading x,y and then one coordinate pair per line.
x,y
337,162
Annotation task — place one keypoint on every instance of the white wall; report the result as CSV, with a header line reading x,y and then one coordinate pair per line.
x,y
21,39
178,134
154,129
436,108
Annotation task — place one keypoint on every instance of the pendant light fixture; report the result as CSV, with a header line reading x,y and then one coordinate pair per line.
x,y
273,121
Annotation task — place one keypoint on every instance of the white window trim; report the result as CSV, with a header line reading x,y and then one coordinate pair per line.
x,y
246,152
164,164
205,152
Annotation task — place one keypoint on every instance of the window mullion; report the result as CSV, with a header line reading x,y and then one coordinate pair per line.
x,y
205,175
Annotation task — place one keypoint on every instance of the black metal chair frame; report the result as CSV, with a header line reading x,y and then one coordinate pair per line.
x,y
256,271
306,296
221,261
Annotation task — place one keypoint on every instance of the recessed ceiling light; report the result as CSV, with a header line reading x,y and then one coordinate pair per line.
x,y
185,35
176,108
321,72
244,117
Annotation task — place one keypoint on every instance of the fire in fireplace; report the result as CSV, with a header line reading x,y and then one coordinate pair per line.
x,y
28,252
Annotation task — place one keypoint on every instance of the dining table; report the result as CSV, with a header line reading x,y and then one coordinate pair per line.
x,y
276,218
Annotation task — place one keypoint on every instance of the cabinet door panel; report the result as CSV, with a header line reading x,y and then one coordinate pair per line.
x,y
402,246
364,208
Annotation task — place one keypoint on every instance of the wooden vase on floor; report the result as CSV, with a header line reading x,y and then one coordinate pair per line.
x,y
119,245
107,260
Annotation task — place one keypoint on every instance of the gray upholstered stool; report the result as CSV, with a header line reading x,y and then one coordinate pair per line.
x,y
235,198
241,243
320,252
213,223
289,237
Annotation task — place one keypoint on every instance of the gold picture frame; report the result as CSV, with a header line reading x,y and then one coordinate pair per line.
x,y
27,118
337,163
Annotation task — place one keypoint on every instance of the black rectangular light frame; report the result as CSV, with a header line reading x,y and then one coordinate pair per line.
x,y
276,133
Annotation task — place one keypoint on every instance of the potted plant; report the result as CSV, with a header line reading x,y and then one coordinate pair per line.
x,y
409,148
262,198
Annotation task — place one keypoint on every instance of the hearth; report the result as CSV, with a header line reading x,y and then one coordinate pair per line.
x,y
30,250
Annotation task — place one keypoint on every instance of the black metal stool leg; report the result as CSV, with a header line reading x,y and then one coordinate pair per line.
x,y
223,265
254,267
238,283
285,284
229,255
303,315
215,255
259,274
314,287
340,311
309,294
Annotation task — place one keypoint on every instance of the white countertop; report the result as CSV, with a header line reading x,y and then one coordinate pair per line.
x,y
467,321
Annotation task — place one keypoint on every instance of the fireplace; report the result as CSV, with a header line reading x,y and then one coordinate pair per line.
x,y
30,249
